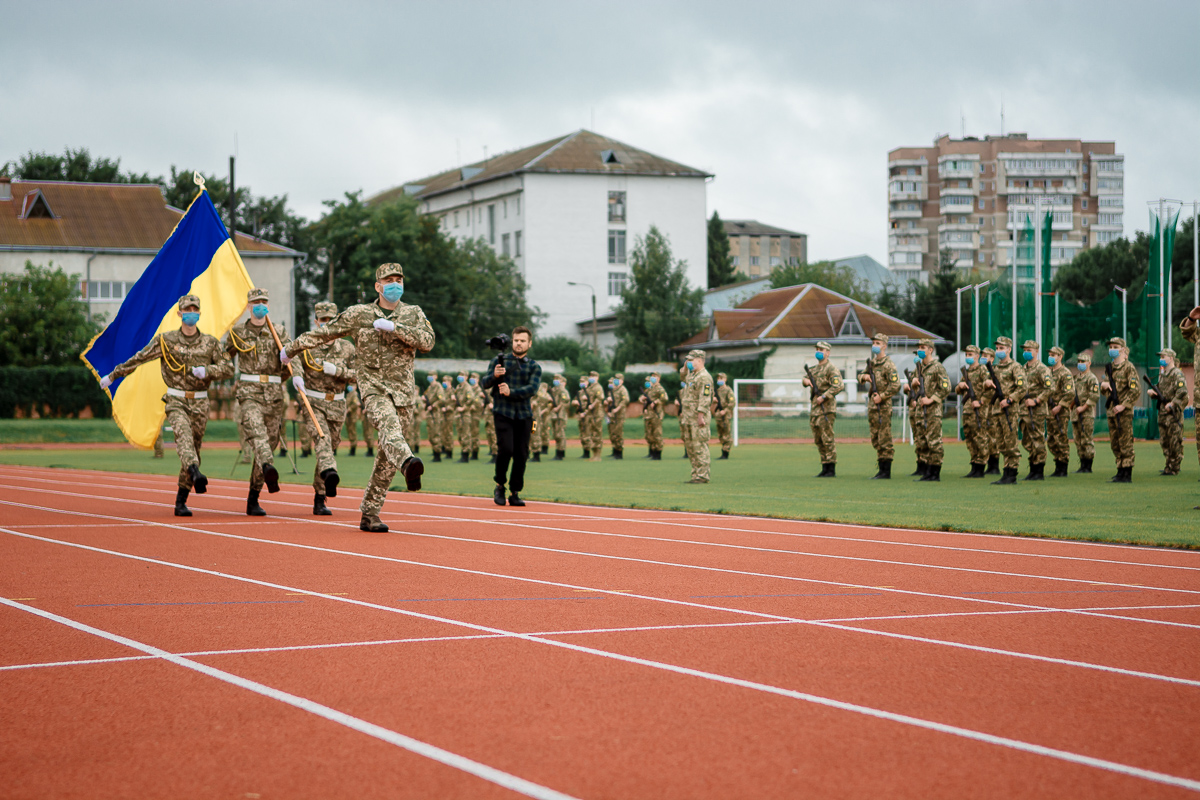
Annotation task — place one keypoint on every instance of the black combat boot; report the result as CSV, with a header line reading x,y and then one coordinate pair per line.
x,y
920,470
1060,469
545,449
353,447
559,455
271,476
282,450
491,458
658,455
537,455
437,457
993,466
586,453
319,507
649,452
305,452
252,506
412,469
467,457
1036,472
1124,475
827,471
498,495
885,470
618,454
416,447
724,455
1009,477
370,452
1085,466
976,471
199,482
181,509
332,480
474,455
932,473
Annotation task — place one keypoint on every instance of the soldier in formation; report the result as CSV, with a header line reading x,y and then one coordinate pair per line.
x,y
1123,388
387,336
685,430
560,400
723,410
260,393
1061,401
974,419
882,372
463,416
695,413
1172,397
476,401
987,397
618,404
489,427
326,372
539,406
432,399
826,383
654,404
1009,382
934,384
448,405
1191,331
1087,391
593,416
1033,410
189,361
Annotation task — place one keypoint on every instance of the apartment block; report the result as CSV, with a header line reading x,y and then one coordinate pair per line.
x,y
964,194
756,248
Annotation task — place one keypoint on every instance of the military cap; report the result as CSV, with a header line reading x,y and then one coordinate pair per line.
x,y
824,346
384,270
880,337
474,375
325,309
971,349
462,372
927,343
1031,344
721,376
593,374
257,294
700,354
1117,341
1086,355
1003,341
1166,351
189,300
1057,351
560,377
620,376
989,352
655,375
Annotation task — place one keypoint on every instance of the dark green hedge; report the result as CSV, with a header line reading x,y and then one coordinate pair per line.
x,y
65,391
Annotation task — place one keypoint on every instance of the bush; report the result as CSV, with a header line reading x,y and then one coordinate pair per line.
x,y
52,391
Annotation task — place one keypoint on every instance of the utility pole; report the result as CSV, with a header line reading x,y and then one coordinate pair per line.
x,y
1124,298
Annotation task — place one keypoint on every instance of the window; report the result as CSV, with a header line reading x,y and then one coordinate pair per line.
x,y
616,206
616,247
899,259
1110,166
492,224
1110,183
456,219
616,283
106,291
1085,240
1111,202
1110,219
776,261
1085,203
504,241
1083,221
518,200
517,244
981,206
911,171
505,208
754,261
956,200
794,261
737,260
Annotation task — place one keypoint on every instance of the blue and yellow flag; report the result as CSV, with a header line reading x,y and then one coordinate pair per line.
x,y
198,258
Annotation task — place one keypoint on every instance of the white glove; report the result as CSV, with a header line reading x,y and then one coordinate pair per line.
x,y
298,382
283,357
329,368
200,372
106,382
385,325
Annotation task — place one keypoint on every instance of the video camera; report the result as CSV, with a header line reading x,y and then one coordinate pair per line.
x,y
499,342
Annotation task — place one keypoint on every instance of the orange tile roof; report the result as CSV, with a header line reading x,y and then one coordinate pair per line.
x,y
578,152
101,216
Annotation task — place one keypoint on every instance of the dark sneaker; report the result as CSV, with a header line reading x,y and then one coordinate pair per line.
x,y
513,500
498,495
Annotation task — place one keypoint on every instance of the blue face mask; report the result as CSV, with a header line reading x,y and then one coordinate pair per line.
x,y
819,356
876,349
471,381
690,366
1052,360
1113,352
429,378
591,379
616,383
259,310
392,292
920,355
970,360
1027,355
556,383
1001,355
1162,362
720,383
191,317
1082,367
983,360
648,384
462,378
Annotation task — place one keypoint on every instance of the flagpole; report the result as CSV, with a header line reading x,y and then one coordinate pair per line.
x,y
1037,271
292,370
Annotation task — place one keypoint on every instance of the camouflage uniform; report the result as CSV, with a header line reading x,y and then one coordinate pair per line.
x,y
1128,391
433,414
1012,384
1172,388
916,421
561,405
1038,386
1191,331
187,415
1087,388
937,388
259,391
537,408
991,413
384,369
1062,397
654,401
476,401
593,416
974,424
879,415
463,417
619,401
696,408
685,428
828,385
353,416
447,405
724,412
326,396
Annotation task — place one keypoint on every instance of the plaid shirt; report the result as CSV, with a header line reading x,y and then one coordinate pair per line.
x,y
523,376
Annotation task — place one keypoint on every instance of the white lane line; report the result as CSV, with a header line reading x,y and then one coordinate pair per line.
x,y
480,504
797,553
889,716
743,612
489,774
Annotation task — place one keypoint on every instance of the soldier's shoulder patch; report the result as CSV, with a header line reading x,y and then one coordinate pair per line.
x,y
707,389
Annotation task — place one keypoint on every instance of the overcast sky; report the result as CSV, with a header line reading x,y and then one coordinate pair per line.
x,y
792,105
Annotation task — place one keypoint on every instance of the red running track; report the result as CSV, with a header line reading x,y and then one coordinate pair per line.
x,y
570,651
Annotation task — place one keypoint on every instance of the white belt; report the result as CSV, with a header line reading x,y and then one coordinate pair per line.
x,y
328,396
186,395
260,378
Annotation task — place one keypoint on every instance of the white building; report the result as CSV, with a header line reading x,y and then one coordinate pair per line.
x,y
108,233
570,210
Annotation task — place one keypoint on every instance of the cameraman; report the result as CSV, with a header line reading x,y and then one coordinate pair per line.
x,y
512,380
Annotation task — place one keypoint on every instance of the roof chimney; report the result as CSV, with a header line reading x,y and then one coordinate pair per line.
x,y
5,187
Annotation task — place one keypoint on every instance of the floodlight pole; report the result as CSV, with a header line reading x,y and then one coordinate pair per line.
x,y
977,287
595,347
1037,272
958,346
1124,298
1195,253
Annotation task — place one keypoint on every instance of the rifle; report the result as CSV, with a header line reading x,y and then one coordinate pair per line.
x,y
1158,398
812,392
971,397
1000,398
1112,385
870,373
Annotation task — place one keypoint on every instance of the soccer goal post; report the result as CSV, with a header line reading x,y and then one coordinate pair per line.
x,y
778,409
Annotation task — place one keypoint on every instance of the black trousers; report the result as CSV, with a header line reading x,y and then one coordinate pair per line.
x,y
512,440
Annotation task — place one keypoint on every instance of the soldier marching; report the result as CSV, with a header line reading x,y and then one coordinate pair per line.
x,y
826,384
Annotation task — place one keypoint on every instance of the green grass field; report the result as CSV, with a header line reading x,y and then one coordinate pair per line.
x,y
777,480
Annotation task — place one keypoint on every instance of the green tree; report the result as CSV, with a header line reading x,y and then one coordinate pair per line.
x,y
43,322
823,273
658,308
72,165
720,264
576,357
1091,275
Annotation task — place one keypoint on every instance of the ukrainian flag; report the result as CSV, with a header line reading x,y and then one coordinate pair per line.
x,y
199,258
